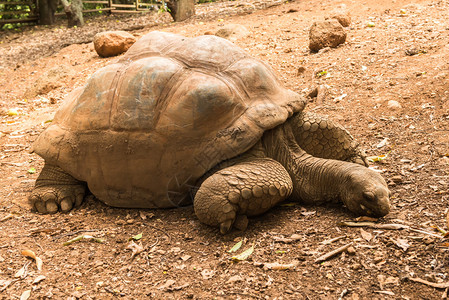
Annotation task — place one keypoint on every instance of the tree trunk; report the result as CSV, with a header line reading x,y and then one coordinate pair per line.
x,y
74,12
47,10
181,10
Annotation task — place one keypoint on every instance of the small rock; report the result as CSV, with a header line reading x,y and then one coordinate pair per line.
x,y
428,240
207,274
377,259
112,43
327,33
185,257
235,278
232,32
324,50
356,266
351,250
167,284
300,71
397,179
341,14
343,18
393,104
444,161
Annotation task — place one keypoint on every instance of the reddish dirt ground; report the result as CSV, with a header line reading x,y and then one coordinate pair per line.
x,y
182,258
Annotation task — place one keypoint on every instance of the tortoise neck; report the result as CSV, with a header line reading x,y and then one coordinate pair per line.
x,y
314,179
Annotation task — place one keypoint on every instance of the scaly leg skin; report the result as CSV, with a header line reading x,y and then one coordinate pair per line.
x,y
247,188
56,190
324,138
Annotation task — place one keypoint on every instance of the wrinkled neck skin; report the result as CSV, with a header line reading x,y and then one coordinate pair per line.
x,y
317,180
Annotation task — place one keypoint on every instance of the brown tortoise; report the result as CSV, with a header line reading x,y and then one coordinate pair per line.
x,y
178,118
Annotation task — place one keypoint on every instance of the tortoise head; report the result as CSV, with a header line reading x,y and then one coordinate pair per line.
x,y
366,193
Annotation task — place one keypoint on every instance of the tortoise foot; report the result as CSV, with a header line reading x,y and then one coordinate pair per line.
x,y
248,188
55,191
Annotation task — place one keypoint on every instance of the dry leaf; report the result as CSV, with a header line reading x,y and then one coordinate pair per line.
x,y
167,284
236,247
38,279
39,263
135,248
21,273
366,235
25,295
244,255
185,257
4,284
402,243
29,253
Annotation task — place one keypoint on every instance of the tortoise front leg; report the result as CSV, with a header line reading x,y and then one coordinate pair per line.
x,y
324,138
56,190
247,188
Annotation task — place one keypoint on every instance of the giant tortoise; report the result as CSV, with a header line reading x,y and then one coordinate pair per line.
x,y
179,119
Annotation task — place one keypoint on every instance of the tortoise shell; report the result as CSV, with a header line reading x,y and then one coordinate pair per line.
x,y
144,129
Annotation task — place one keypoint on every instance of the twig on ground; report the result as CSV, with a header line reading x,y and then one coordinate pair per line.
x,y
164,232
343,293
425,232
75,233
8,283
442,285
332,253
374,225
154,244
10,216
327,242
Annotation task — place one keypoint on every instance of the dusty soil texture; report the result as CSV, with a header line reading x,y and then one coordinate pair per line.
x,y
388,84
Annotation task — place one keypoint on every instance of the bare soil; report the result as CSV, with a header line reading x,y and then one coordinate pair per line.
x,y
404,57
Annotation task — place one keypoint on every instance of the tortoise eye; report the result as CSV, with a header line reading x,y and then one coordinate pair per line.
x,y
369,196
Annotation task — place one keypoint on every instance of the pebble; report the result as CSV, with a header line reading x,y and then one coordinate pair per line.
x,y
351,250
397,178
235,278
393,104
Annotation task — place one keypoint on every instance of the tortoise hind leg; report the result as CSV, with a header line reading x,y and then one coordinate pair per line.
x,y
56,190
246,188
